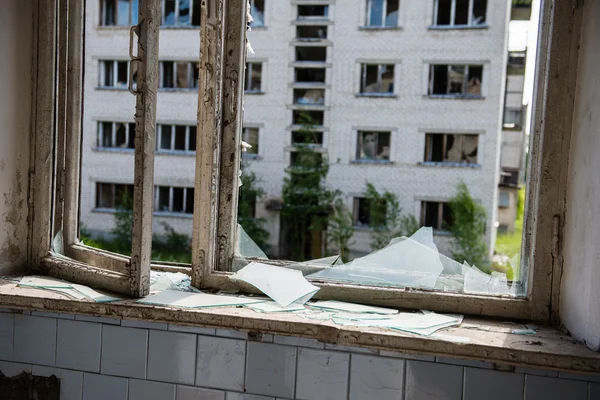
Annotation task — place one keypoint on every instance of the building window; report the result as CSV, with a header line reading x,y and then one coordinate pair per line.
x,y
258,13
171,199
311,54
176,137
311,33
118,12
459,13
309,96
306,159
178,75
509,177
377,78
503,199
313,12
513,118
455,80
310,75
368,213
113,195
114,74
116,135
436,215
311,118
180,13
309,138
382,13
448,148
516,62
373,146
253,79
250,136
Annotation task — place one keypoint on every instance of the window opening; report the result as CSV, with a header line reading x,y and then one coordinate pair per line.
x,y
250,136
180,13
170,199
455,80
309,96
436,215
253,79
373,146
299,117
460,13
311,54
312,138
382,13
313,12
258,13
311,33
377,79
449,148
118,12
310,75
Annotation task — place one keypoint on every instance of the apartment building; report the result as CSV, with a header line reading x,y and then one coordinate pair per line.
x,y
405,95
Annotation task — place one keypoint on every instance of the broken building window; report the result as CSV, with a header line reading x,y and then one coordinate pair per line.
x,y
513,118
382,13
253,80
455,80
377,79
113,195
310,75
308,33
258,13
369,213
316,12
309,96
310,138
114,74
373,146
171,199
250,136
180,13
118,12
311,54
178,75
310,118
451,148
116,135
459,13
175,137
436,215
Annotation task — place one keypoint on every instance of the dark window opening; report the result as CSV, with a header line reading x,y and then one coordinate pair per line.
x,y
258,13
456,80
250,136
131,143
169,12
189,201
310,75
163,198
183,81
377,79
184,12
165,136
448,148
313,11
180,135
306,159
121,135
167,74
312,54
509,177
309,96
436,215
253,79
513,118
516,62
382,13
196,13
178,200
308,138
192,140
460,9
373,146
311,32
301,117
444,11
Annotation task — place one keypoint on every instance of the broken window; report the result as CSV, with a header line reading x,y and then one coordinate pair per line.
x,y
503,199
455,80
258,13
112,195
317,12
250,136
311,54
457,13
167,70
368,213
451,148
169,199
116,135
178,75
436,215
310,138
382,13
377,78
310,118
180,13
311,32
373,146
114,74
310,75
513,118
516,62
118,12
176,137
253,80
309,96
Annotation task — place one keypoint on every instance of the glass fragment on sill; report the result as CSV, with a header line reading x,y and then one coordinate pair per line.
x,y
451,338
284,286
523,332
72,290
160,281
271,306
176,298
247,247
351,307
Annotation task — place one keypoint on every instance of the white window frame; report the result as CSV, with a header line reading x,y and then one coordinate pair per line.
x,y
252,7
172,149
113,194
56,201
245,132
102,5
359,138
177,24
176,65
249,70
453,16
429,150
464,93
113,135
115,73
158,211
383,16
363,79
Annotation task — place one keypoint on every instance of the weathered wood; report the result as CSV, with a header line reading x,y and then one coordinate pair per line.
x,y
99,258
208,135
145,141
233,93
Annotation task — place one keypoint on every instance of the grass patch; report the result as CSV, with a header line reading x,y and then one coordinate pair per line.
x,y
509,244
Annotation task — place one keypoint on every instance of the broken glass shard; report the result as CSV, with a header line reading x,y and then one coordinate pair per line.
x,y
271,306
352,307
175,298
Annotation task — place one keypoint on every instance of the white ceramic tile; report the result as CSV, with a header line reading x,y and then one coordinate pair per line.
x,y
7,325
39,370
270,369
463,362
380,378
543,388
78,345
492,385
124,351
52,315
147,390
426,380
144,324
407,356
71,385
245,396
232,333
300,342
220,363
196,393
172,357
539,372
352,349
192,329
13,369
35,340
322,375
102,320
103,387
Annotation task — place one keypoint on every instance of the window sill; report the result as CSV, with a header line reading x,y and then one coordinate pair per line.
x,y
457,27
186,153
185,90
378,95
251,157
155,213
372,162
109,88
124,150
380,28
254,92
190,27
258,28
449,165
488,340
454,96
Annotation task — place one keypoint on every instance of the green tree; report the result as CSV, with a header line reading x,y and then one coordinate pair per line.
x,y
307,201
387,218
468,228
123,222
340,228
250,191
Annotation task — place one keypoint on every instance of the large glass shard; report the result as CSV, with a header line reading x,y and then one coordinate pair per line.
x,y
177,298
247,247
352,307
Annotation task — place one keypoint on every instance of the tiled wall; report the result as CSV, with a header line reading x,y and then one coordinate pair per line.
x,y
103,358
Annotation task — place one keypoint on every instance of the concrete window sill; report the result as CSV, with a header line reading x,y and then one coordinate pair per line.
x,y
380,28
476,339
378,95
432,164
458,27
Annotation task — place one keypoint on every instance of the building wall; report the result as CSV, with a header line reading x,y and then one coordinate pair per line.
x,y
103,358
16,44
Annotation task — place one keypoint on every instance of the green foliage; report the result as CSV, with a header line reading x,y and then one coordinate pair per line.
x,y
340,228
468,228
123,223
386,217
250,191
176,242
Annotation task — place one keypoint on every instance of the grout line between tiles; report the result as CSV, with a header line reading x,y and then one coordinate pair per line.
x,y
195,360
524,385
349,375
464,380
404,373
148,357
55,342
101,341
296,373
